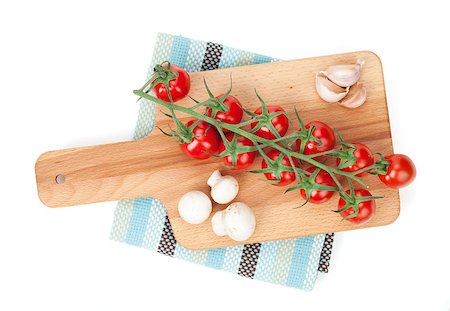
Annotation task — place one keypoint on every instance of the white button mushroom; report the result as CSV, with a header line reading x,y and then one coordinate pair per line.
x,y
238,221
218,225
194,207
223,188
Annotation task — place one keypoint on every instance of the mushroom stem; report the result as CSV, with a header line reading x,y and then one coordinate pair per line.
x,y
214,178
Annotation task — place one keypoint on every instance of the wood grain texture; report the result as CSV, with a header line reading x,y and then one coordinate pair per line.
x,y
156,167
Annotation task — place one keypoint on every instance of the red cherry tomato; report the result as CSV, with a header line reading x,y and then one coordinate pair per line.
x,y
401,171
234,113
178,87
366,208
364,158
324,133
319,196
285,177
204,143
244,159
280,122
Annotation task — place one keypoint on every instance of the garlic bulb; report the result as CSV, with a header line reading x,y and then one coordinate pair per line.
x,y
345,75
356,97
339,84
329,91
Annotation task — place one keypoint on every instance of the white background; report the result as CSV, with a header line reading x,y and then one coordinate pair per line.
x,y
67,70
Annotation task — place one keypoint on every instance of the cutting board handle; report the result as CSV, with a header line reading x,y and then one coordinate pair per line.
x,y
94,174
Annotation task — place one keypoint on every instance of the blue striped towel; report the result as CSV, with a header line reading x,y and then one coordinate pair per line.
x,y
143,221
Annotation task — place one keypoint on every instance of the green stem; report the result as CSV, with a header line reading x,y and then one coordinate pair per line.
x,y
285,138
315,155
245,123
364,169
253,138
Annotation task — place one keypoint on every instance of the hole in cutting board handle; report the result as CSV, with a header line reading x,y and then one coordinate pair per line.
x,y
60,179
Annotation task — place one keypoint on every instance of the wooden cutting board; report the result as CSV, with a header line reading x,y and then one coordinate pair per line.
x,y
156,167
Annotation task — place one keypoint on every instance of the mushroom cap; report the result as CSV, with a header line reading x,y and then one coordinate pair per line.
x,y
218,225
239,221
225,189
194,207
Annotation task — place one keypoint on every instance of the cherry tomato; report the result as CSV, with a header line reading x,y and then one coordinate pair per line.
x,y
205,141
244,159
364,158
324,133
285,177
401,171
234,113
178,87
280,122
319,196
366,208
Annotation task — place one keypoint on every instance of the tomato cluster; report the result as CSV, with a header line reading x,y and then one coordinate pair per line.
x,y
316,139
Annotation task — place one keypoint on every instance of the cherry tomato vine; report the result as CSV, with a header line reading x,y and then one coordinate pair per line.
x,y
220,117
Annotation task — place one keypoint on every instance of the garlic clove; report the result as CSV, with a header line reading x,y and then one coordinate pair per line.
x,y
345,75
356,97
329,91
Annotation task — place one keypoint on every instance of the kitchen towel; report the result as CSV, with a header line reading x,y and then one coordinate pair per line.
x,y
143,221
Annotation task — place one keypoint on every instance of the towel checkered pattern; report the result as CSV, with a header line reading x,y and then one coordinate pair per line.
x,y
143,221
